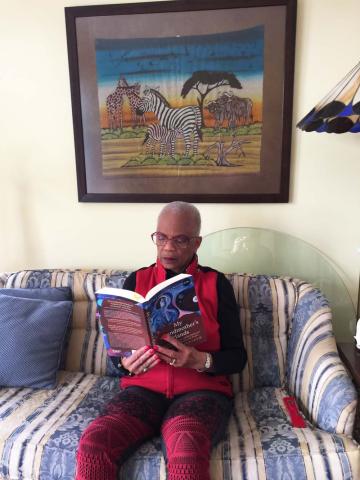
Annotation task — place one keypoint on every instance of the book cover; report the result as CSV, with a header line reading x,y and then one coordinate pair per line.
x,y
129,321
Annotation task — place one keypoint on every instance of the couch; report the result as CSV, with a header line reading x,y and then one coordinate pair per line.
x,y
291,354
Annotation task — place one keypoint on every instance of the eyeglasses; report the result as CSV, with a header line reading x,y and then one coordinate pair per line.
x,y
181,241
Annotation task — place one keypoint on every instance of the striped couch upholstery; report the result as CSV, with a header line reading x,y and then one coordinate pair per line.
x,y
291,350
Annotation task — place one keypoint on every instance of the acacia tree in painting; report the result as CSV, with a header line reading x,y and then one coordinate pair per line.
x,y
210,81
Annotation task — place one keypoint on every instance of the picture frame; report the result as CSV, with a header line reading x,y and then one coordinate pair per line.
x,y
182,100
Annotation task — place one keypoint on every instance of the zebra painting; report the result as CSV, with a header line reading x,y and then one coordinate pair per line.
x,y
157,133
187,119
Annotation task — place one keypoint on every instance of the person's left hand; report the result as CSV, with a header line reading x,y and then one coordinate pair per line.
x,y
185,356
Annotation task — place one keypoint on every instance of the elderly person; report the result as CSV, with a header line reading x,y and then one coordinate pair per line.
x,y
183,393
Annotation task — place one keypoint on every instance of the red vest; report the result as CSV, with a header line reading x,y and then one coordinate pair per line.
x,y
169,380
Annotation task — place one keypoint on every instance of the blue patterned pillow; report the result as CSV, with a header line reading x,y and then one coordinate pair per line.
x,y
49,293
32,333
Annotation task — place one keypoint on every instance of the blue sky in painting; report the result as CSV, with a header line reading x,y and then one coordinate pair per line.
x,y
146,60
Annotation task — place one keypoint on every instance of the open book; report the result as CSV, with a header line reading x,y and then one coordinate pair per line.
x,y
129,321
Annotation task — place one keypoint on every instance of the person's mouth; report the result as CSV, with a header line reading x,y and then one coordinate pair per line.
x,y
169,259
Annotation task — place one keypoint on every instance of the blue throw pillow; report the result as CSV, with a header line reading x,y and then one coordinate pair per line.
x,y
32,334
48,293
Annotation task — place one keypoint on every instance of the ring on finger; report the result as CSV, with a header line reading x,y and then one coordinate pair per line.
x,y
145,369
173,361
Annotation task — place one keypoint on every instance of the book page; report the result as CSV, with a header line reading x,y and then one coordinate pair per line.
x,y
120,292
123,325
163,285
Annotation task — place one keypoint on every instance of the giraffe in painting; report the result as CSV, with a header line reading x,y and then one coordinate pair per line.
x,y
114,106
133,94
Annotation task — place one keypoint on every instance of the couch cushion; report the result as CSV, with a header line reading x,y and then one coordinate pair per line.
x,y
40,431
32,334
266,306
51,293
262,443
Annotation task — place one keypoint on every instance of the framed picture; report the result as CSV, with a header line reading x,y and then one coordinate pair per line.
x,y
182,100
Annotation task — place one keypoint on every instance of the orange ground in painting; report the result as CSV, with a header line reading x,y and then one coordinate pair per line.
x,y
116,154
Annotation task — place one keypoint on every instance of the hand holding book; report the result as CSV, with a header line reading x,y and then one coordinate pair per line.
x,y
145,358
141,360
184,356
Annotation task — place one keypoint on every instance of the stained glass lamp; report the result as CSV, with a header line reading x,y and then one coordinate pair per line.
x,y
339,111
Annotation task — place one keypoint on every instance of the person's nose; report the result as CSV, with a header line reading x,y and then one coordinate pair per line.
x,y
169,244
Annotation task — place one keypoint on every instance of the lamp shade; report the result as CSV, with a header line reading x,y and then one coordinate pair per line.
x,y
339,111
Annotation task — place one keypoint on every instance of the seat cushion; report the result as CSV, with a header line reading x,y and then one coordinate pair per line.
x,y
262,443
40,430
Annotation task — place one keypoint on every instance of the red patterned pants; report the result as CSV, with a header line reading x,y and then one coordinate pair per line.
x,y
189,424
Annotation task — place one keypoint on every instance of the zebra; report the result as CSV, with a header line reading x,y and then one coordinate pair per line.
x,y
186,119
157,133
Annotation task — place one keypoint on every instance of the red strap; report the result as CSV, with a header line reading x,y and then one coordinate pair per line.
x,y
293,410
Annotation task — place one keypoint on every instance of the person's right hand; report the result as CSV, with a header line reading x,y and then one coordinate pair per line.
x,y
141,360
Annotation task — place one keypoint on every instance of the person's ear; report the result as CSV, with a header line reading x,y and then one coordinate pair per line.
x,y
198,241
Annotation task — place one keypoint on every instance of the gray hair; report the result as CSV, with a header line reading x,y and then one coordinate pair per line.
x,y
184,208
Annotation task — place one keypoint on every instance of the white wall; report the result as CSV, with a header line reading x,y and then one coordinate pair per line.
x,y
42,223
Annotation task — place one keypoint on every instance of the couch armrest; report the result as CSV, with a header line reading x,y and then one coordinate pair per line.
x,y
3,278
315,374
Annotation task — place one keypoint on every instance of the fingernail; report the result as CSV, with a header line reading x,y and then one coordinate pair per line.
x,y
147,348
156,348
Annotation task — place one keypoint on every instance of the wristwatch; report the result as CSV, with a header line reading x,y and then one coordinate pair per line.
x,y
208,361
207,364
